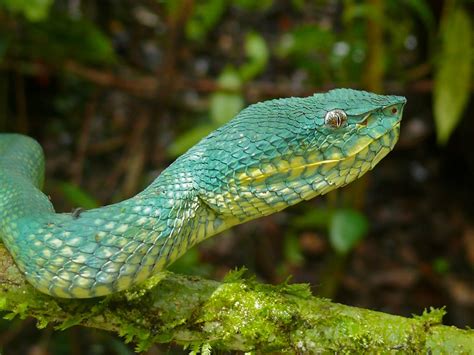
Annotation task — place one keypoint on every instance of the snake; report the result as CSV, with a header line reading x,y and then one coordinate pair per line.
x,y
271,155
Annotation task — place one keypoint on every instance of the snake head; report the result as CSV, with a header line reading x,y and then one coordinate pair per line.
x,y
353,120
276,153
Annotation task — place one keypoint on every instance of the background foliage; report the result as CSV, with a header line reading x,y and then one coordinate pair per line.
x,y
115,90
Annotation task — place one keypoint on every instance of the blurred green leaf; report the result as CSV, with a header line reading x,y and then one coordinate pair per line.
x,y
309,47
423,10
257,53
292,250
206,349
229,79
66,38
189,264
77,197
298,4
346,229
224,106
206,14
441,265
71,322
172,7
313,218
261,5
452,77
33,10
226,103
189,138
306,39
360,10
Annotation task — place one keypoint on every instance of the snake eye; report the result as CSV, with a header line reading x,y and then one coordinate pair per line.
x,y
335,118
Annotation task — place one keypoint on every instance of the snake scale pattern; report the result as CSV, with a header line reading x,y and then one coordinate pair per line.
x,y
272,155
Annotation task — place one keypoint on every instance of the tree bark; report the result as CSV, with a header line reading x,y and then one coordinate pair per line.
x,y
237,314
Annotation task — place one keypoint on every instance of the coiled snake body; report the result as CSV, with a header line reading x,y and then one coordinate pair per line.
x,y
271,155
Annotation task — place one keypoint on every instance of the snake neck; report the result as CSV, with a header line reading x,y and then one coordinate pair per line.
x,y
105,250
21,165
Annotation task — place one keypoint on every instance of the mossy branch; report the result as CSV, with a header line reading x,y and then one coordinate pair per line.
x,y
236,314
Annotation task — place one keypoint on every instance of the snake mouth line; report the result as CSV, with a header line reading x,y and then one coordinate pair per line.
x,y
296,164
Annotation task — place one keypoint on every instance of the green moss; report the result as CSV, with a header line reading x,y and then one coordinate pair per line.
x,y
432,316
252,311
3,303
240,314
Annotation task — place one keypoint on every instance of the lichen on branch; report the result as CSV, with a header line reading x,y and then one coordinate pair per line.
x,y
237,314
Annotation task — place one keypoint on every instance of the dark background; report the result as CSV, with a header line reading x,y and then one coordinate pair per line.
x,y
115,90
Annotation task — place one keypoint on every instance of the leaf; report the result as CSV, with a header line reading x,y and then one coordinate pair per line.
x,y
423,10
292,250
190,264
205,16
67,38
313,218
309,48
33,10
346,229
3,303
206,349
77,197
441,265
257,53
189,138
226,103
452,73
252,5
70,322
304,40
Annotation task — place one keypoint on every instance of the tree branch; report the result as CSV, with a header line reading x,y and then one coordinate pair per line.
x,y
236,314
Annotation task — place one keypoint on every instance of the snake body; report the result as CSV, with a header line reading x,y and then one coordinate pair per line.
x,y
272,155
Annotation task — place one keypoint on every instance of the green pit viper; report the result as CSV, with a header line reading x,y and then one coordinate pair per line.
x,y
272,155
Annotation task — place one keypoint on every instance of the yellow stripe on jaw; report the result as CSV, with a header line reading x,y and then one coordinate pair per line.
x,y
295,167
298,164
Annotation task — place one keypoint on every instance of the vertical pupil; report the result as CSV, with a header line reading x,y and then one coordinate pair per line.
x,y
335,118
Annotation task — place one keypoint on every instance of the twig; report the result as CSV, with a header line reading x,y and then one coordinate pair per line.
x,y
83,141
136,155
148,87
20,97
